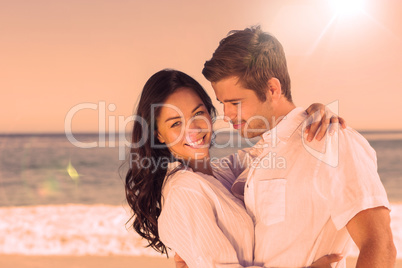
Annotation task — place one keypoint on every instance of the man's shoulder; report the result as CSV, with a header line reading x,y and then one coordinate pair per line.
x,y
350,134
332,148
350,141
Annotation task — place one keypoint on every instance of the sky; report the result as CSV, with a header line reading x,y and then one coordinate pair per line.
x,y
82,64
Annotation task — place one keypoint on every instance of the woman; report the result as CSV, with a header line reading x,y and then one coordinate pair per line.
x,y
171,186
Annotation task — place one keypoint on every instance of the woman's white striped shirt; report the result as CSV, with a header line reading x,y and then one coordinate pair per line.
x,y
204,223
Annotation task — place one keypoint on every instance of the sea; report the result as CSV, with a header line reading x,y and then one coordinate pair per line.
x,y
58,198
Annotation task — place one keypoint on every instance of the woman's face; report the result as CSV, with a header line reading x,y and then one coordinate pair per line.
x,y
185,125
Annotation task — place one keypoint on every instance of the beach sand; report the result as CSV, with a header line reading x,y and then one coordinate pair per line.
x,y
21,261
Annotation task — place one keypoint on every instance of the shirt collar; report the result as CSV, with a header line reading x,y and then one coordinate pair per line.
x,y
172,165
286,127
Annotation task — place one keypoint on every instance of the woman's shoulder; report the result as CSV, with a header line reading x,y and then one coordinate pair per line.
x,y
184,179
184,188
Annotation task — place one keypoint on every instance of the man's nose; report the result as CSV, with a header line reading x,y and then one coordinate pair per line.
x,y
229,113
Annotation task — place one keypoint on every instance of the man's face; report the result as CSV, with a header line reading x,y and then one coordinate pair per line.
x,y
248,114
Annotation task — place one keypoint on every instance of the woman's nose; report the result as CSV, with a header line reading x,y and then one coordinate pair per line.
x,y
195,128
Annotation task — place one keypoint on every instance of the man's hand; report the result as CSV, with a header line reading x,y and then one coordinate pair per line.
x,y
321,119
180,263
370,230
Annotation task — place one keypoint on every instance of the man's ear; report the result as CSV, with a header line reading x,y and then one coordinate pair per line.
x,y
274,88
159,137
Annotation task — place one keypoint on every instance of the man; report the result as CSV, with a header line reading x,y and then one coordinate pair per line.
x,y
318,195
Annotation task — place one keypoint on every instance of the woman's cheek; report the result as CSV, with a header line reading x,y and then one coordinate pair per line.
x,y
174,138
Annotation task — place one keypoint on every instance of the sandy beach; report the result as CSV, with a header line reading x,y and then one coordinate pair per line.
x,y
21,261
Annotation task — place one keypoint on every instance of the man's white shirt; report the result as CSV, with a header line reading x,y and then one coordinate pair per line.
x,y
302,194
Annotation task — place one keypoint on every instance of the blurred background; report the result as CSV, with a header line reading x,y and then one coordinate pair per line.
x,y
80,65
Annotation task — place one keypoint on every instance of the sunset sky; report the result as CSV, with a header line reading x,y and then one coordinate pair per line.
x,y
55,55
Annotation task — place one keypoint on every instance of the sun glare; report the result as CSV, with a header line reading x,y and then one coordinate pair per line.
x,y
347,7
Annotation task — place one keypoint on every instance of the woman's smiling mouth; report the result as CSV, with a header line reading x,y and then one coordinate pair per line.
x,y
197,143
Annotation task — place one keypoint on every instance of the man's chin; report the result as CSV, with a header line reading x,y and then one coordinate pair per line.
x,y
247,134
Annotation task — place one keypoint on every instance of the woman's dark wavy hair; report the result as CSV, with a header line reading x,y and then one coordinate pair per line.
x,y
143,185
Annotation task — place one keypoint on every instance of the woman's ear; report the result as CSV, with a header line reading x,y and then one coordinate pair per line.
x,y
159,137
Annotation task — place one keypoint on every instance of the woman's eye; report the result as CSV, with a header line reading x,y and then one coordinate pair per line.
x,y
199,113
235,103
176,124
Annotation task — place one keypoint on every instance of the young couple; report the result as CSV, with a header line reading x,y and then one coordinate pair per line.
x,y
302,212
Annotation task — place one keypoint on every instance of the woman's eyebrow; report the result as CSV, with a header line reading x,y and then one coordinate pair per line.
x,y
178,117
198,106
172,118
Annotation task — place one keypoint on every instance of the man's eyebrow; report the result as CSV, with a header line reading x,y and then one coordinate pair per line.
x,y
230,100
178,117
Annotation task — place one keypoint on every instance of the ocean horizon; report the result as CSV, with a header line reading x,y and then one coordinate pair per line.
x,y
59,199
37,169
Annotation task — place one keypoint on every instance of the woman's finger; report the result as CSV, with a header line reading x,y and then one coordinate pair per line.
x,y
325,121
342,122
333,125
315,124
